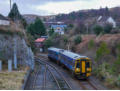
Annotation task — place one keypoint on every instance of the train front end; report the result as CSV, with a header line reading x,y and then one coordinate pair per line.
x,y
83,68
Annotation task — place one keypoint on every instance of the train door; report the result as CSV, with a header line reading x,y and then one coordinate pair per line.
x,y
80,66
83,66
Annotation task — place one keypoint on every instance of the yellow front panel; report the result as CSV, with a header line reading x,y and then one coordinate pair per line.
x,y
88,74
83,66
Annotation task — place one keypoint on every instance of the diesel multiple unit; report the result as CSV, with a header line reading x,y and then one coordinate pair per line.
x,y
80,66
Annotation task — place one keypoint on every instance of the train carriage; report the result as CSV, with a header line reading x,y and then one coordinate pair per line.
x,y
53,53
79,65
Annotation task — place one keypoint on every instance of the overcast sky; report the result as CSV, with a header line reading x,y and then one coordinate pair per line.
x,y
49,7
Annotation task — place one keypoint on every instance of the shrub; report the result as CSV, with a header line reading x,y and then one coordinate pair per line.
x,y
51,32
91,44
78,39
117,61
100,72
31,42
108,28
65,39
98,29
55,35
48,43
118,47
70,25
118,81
111,82
112,70
102,50
80,28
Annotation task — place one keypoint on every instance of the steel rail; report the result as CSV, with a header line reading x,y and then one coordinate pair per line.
x,y
56,71
55,79
44,84
35,76
92,85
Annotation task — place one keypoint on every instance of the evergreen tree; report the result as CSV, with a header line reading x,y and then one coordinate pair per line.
x,y
37,29
14,13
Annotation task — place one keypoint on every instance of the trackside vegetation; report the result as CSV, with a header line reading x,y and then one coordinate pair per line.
x,y
106,70
78,39
102,51
91,44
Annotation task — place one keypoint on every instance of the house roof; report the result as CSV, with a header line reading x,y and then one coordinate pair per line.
x,y
55,26
102,18
40,40
2,17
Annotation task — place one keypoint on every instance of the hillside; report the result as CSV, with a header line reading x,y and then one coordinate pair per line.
x,y
83,15
79,15
30,18
104,52
81,18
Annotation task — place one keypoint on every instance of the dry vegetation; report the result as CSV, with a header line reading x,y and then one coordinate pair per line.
x,y
11,80
12,29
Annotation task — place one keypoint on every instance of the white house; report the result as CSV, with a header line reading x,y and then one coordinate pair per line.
x,y
102,20
112,21
4,21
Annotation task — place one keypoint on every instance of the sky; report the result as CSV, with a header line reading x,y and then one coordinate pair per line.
x,y
52,7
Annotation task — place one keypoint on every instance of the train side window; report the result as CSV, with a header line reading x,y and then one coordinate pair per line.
x,y
87,64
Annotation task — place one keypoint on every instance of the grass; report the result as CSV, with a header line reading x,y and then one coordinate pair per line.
x,y
11,80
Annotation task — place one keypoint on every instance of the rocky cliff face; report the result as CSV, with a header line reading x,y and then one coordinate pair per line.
x,y
10,45
13,45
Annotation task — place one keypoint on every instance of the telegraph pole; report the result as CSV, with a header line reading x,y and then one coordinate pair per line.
x,y
10,4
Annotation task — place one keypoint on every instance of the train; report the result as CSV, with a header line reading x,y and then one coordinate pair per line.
x,y
80,66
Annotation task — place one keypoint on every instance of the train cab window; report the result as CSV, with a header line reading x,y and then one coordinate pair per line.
x,y
87,64
78,65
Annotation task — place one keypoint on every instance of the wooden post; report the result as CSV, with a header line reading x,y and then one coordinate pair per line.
x,y
9,65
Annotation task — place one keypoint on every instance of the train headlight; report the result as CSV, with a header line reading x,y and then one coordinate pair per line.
x,y
77,69
88,69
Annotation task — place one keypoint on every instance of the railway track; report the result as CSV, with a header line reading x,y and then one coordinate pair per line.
x,y
59,79
84,84
46,77
36,73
